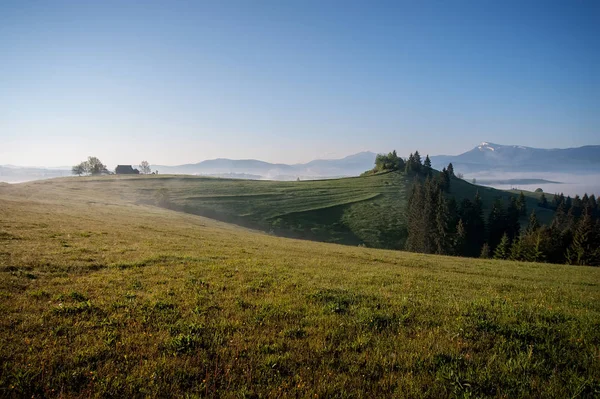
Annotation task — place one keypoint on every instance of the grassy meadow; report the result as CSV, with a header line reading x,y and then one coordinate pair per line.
x,y
103,294
355,211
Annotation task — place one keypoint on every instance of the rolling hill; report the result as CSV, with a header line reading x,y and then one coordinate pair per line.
x,y
105,296
362,210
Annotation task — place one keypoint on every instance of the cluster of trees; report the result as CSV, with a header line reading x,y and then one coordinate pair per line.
x,y
93,166
572,237
437,224
391,162
388,162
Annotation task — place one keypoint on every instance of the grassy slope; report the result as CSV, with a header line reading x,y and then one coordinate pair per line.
x,y
365,210
103,297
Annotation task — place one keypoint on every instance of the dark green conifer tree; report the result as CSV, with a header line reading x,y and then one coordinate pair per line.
x,y
442,238
584,249
560,217
460,239
409,166
497,224
512,219
471,214
534,224
503,248
444,180
543,203
577,207
518,249
428,211
418,161
415,228
593,206
485,251
571,219
522,204
556,201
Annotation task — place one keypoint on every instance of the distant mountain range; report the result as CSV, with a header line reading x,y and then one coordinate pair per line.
x,y
511,158
484,157
352,165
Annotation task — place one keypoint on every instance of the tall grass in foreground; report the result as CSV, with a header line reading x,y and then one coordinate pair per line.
x,y
104,298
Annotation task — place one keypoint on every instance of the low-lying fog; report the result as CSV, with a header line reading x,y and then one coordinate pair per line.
x,y
567,183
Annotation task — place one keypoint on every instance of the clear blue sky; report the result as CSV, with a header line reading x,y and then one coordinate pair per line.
x,y
175,82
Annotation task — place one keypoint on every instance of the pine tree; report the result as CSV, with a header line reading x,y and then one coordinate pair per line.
x,y
409,166
584,248
593,206
555,201
512,219
571,219
503,249
485,251
496,224
554,245
518,250
585,201
460,239
451,169
415,228
427,162
538,252
478,230
471,214
543,203
522,204
428,221
444,180
418,161
534,224
560,217
442,226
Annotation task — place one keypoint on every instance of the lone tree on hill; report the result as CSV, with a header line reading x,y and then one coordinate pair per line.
x,y
145,168
78,169
93,166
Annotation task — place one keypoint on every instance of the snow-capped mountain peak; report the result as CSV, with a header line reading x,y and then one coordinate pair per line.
x,y
485,146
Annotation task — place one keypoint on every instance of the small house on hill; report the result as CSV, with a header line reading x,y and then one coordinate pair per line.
x,y
126,170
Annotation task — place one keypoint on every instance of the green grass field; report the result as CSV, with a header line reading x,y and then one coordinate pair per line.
x,y
102,295
365,210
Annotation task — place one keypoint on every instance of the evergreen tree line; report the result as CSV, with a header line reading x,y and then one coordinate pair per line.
x,y
572,237
574,205
436,224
